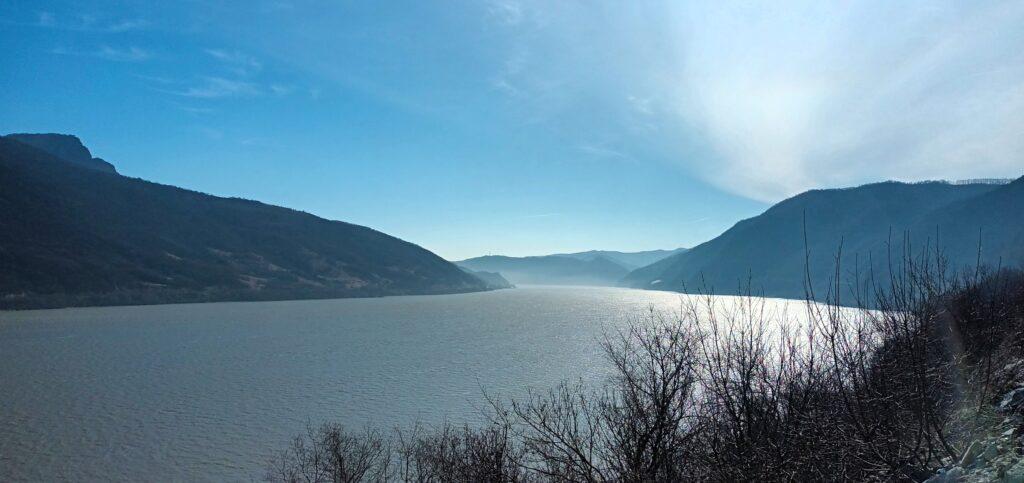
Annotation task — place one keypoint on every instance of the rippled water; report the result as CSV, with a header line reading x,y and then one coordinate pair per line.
x,y
208,392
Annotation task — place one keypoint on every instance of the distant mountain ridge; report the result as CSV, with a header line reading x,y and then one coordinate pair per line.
x,y
629,260
767,252
494,280
595,267
74,233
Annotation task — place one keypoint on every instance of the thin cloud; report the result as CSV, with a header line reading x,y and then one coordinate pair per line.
x,y
124,26
642,105
106,52
217,87
502,84
46,19
505,80
131,54
238,62
155,79
768,100
509,11
197,110
281,89
210,133
90,23
605,152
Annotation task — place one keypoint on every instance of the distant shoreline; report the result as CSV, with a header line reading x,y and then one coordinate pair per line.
x,y
52,302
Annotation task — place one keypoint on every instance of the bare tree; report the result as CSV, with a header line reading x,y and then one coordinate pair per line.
x,y
330,454
459,455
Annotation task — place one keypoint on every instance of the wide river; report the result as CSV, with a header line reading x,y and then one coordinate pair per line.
x,y
210,392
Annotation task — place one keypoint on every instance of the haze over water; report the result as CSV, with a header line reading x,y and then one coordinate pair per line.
x,y
208,392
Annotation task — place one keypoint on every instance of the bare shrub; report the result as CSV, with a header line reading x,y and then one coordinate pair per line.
x,y
459,455
330,454
639,427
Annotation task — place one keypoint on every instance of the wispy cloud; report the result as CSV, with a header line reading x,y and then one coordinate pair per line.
x,y
238,62
505,81
767,100
282,89
601,151
90,23
130,54
241,81
46,19
197,111
642,105
155,79
210,133
217,87
509,11
106,52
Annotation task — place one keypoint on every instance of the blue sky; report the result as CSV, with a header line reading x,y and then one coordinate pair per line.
x,y
522,127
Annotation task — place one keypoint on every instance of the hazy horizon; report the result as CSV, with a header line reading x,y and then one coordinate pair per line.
x,y
518,127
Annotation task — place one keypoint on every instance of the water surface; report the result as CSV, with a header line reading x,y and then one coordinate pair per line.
x,y
208,392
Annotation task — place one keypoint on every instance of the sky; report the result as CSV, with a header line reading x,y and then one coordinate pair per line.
x,y
524,127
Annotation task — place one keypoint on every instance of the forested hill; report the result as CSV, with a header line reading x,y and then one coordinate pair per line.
x,y
74,234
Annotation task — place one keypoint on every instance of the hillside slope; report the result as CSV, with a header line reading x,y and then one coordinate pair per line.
x,y
74,235
494,280
768,251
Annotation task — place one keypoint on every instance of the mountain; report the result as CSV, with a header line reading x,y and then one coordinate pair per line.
x,y
768,251
997,216
72,233
629,260
494,280
550,269
66,147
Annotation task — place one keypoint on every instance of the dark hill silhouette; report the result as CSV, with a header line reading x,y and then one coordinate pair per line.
x,y
76,235
769,250
66,147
